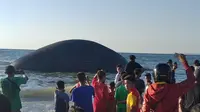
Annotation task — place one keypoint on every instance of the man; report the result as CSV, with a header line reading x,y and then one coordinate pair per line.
x,y
121,95
148,80
139,83
101,99
170,63
133,100
173,68
132,65
11,87
61,98
192,97
78,84
196,64
5,105
163,96
82,96
119,72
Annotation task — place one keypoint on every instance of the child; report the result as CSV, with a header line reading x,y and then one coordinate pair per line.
x,y
101,99
133,100
121,95
112,99
61,98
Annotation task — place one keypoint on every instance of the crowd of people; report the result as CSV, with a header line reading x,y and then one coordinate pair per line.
x,y
127,93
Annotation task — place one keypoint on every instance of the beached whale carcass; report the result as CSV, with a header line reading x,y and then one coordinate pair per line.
x,y
71,56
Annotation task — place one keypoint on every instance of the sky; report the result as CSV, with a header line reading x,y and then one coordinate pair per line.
x,y
134,26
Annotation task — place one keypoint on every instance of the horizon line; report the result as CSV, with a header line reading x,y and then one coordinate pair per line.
x,y
122,52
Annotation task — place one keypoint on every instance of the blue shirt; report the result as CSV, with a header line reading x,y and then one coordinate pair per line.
x,y
61,99
82,97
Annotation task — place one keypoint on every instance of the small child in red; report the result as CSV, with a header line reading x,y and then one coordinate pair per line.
x,y
111,97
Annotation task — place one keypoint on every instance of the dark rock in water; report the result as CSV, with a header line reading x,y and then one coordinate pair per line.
x,y
71,56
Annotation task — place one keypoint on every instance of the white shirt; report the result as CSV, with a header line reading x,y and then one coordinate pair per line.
x,y
117,77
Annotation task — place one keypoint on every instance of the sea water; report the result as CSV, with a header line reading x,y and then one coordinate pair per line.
x,y
38,94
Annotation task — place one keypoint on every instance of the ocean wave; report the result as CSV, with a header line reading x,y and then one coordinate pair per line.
x,y
40,94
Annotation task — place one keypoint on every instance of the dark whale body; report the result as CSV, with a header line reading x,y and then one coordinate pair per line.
x,y
71,56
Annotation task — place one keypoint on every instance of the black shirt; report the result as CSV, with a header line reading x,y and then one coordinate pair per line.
x,y
131,66
140,85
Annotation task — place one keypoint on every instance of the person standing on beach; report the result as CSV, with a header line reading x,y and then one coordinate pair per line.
x,y
78,84
111,97
61,98
170,63
119,72
196,64
148,80
82,96
101,99
173,68
11,88
133,101
192,97
139,83
132,65
173,79
162,96
121,95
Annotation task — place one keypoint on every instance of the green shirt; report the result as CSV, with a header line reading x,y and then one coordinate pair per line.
x,y
121,95
12,91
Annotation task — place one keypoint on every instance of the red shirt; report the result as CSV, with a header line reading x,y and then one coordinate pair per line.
x,y
111,95
112,101
78,85
162,97
101,98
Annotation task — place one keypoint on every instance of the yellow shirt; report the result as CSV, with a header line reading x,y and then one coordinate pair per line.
x,y
132,101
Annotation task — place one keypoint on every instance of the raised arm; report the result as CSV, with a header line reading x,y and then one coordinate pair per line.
x,y
185,85
94,80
